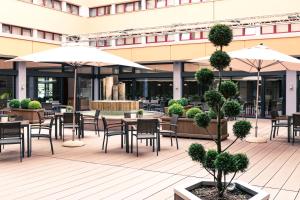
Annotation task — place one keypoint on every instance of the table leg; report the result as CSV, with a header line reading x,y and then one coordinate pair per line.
x,y
56,127
60,128
289,129
127,137
28,142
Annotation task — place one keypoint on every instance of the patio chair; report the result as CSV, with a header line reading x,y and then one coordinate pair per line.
x,y
277,122
67,122
93,120
296,125
10,133
146,129
49,112
172,131
108,132
39,135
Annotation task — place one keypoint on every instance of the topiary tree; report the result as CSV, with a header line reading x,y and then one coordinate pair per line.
x,y
220,163
34,105
24,103
14,103
176,109
192,112
204,77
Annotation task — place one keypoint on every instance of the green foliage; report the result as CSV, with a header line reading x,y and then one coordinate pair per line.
x,y
224,162
228,89
210,158
202,119
204,76
140,112
183,101
192,112
232,108
241,128
14,103
220,60
220,35
213,98
213,115
197,152
171,102
195,98
69,108
175,109
24,103
34,105
5,95
240,161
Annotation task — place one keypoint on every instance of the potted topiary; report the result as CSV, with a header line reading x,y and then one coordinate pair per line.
x,y
192,112
219,163
139,113
28,110
176,109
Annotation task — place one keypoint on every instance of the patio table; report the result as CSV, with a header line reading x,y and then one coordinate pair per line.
x,y
131,122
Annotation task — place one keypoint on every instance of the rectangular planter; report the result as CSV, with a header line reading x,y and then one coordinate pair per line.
x,y
183,192
28,114
187,128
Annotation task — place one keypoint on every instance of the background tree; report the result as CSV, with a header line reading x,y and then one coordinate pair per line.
x,y
220,163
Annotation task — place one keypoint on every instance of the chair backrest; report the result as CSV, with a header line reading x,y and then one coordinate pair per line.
x,y
154,101
104,123
296,120
274,114
10,130
40,117
127,115
147,126
174,119
47,106
97,114
19,118
68,118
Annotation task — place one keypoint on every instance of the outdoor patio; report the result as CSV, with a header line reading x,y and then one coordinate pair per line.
x,y
88,173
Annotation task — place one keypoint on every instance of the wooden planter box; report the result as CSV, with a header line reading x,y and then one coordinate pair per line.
x,y
28,114
187,128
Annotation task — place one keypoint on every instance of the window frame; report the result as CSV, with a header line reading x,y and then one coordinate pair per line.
x,y
135,8
22,29
48,32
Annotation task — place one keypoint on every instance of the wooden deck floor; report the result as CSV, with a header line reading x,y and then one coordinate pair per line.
x,y
89,173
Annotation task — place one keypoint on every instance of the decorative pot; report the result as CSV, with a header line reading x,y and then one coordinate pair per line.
x,y
183,192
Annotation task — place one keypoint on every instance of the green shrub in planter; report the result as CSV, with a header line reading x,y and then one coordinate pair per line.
x,y
192,112
183,101
171,102
176,109
24,103
34,105
202,119
14,103
69,109
140,112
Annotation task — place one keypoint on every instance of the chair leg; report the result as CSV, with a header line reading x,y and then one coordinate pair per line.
x,y
176,141
157,146
103,141
106,144
95,129
293,137
153,146
171,139
51,145
137,147
23,146
21,154
122,141
131,146
271,132
274,131
277,131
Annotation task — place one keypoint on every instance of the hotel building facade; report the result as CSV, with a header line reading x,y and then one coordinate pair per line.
x,y
160,34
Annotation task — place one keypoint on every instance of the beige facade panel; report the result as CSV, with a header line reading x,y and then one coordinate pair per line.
x,y
124,53
148,54
187,51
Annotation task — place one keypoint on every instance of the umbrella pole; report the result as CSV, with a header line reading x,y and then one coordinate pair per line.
x,y
256,106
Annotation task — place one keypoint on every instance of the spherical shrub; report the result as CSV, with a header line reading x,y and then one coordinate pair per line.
x,y
213,115
204,76
14,103
24,103
183,101
34,105
210,158
176,109
228,89
197,152
224,162
192,112
232,108
240,161
219,60
171,102
241,128
202,119
220,35
213,98
140,112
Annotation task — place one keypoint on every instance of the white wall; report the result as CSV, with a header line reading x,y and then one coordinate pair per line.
x,y
177,80
291,92
21,80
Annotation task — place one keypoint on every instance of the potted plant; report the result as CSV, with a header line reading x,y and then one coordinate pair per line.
x,y
176,108
27,109
219,163
139,113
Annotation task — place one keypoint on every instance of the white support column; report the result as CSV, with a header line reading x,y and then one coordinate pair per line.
x,y
143,39
84,11
291,92
257,30
114,42
64,6
96,85
143,4
176,37
21,80
113,9
177,80
35,33
0,27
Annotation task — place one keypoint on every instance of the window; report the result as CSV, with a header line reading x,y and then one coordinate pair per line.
x,y
185,36
73,9
268,29
16,30
161,3
100,42
238,31
150,4
250,31
283,28
120,41
100,11
189,1
55,4
160,38
49,36
128,7
295,27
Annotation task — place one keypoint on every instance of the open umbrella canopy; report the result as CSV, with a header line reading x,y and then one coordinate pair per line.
x,y
78,55
259,57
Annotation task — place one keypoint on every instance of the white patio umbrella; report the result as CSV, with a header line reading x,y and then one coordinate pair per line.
x,y
77,56
258,59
